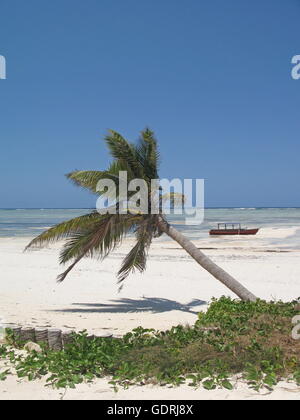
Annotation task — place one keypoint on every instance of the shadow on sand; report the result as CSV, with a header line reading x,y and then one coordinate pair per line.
x,y
149,304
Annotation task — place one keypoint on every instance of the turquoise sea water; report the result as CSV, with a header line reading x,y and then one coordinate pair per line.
x,y
31,222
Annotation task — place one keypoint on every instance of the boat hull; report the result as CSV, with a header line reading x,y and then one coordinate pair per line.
x,y
233,231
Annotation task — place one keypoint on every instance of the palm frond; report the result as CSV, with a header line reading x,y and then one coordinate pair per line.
x,y
61,277
153,153
136,259
87,179
147,154
65,229
124,152
98,240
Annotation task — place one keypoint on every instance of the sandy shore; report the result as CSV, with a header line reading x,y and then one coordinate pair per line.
x,y
172,291
13,389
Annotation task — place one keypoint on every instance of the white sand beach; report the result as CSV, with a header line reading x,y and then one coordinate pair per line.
x,y
14,389
172,291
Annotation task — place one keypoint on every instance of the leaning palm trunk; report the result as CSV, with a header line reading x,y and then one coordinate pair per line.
x,y
99,233
207,263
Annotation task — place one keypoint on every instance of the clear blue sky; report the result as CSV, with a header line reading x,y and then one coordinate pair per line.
x,y
210,77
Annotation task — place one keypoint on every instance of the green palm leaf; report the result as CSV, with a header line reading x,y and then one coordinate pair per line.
x,y
97,240
147,154
136,259
87,179
124,152
65,229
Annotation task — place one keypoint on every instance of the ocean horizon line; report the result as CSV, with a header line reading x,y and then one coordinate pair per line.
x,y
205,208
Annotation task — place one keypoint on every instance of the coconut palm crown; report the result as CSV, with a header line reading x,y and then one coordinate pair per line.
x,y
96,235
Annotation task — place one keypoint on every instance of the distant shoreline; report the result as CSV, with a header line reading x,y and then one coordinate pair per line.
x,y
90,208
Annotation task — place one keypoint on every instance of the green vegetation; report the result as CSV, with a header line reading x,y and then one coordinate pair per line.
x,y
251,339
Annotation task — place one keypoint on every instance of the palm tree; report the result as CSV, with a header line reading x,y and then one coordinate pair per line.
x,y
96,234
